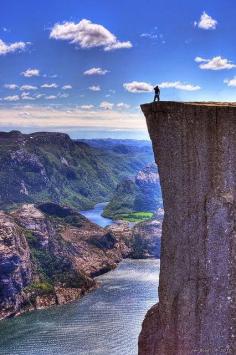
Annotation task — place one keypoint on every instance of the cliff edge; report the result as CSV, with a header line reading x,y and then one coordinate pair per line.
x,y
195,149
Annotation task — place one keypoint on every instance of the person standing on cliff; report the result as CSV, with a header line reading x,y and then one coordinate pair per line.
x,y
157,93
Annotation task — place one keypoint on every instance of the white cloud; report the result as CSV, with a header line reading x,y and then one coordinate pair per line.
x,y
153,35
149,35
24,114
230,82
95,88
105,105
178,85
206,22
118,45
96,71
122,106
138,87
49,86
28,87
200,59
30,72
87,35
216,63
50,97
66,87
11,98
39,96
26,96
69,119
52,76
11,86
86,107
63,96
12,47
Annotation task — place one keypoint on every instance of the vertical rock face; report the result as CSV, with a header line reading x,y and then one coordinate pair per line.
x,y
195,149
15,265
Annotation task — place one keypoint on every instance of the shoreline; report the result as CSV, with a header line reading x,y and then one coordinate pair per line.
x,y
53,300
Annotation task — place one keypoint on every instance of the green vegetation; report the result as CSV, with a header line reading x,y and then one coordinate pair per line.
x,y
136,216
138,194
40,288
31,238
50,266
50,167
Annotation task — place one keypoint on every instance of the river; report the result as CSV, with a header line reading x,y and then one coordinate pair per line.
x,y
95,215
106,321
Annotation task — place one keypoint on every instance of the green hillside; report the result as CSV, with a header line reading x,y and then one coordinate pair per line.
x,y
141,193
51,167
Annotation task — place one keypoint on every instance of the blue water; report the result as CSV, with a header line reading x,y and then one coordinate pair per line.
x,y
105,322
95,215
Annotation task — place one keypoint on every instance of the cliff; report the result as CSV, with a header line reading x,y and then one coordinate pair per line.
x,y
49,255
195,149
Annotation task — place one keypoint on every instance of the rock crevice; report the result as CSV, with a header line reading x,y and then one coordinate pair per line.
x,y
195,149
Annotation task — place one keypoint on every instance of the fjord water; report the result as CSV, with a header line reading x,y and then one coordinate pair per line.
x,y
106,321
95,215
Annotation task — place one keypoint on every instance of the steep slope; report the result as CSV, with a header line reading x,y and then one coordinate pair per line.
x,y
140,193
143,239
52,167
195,149
49,255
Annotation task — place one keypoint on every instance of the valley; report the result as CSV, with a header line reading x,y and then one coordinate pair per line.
x,y
53,246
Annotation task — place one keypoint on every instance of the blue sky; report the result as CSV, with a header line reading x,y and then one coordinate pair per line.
x,y
84,67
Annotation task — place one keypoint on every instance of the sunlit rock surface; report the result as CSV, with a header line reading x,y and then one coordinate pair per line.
x,y
195,149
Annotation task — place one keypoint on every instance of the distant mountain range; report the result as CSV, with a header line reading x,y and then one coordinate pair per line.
x,y
43,166
110,143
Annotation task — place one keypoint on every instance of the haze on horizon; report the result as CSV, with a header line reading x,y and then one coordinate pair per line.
x,y
84,68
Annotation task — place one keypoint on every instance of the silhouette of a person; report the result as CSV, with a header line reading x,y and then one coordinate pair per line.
x,y
157,93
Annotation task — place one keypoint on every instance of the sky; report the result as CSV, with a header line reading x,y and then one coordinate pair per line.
x,y
84,66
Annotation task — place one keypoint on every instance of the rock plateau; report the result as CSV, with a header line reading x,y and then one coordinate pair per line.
x,y
195,149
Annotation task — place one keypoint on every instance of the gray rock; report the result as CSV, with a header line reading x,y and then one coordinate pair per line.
x,y
195,149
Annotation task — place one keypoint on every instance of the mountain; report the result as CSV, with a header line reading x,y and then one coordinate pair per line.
x,y
110,144
141,193
50,254
51,167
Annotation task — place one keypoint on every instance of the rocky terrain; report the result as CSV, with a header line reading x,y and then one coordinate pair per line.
x,y
139,193
195,149
51,167
50,254
144,239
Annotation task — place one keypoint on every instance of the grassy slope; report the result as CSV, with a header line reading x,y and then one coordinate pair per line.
x,y
136,216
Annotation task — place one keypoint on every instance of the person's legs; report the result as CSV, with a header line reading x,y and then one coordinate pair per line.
x,y
155,97
158,97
